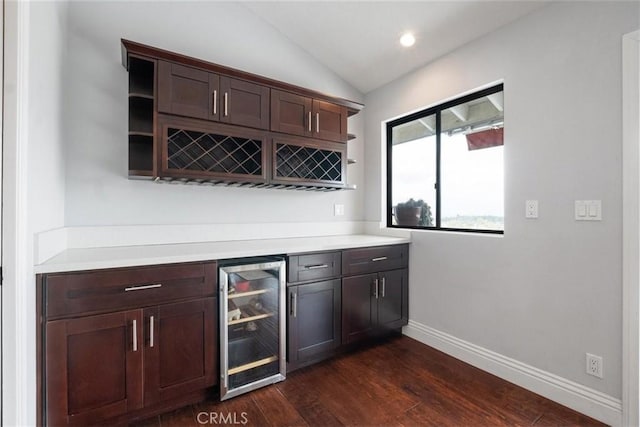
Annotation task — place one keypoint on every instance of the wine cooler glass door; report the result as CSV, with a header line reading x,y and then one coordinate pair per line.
x,y
252,326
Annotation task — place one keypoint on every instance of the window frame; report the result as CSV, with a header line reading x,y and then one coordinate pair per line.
x,y
435,110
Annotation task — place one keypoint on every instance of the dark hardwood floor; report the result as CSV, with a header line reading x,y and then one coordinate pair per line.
x,y
398,383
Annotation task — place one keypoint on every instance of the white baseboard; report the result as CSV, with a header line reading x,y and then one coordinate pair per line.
x,y
566,392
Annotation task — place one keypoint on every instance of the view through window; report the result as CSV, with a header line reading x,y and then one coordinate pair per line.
x,y
445,165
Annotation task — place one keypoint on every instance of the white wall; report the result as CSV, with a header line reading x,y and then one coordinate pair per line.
x,y
98,191
34,159
549,290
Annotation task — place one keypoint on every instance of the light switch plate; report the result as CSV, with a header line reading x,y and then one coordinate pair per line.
x,y
338,210
588,210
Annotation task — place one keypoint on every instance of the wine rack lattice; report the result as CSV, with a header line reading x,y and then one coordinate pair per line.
x,y
293,161
210,152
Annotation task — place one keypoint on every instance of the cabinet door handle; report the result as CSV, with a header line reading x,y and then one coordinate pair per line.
x,y
376,289
135,335
215,102
317,122
309,121
226,104
294,305
151,322
384,282
316,267
380,258
142,288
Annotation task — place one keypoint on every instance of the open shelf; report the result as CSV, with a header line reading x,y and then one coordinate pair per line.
x,y
140,153
141,76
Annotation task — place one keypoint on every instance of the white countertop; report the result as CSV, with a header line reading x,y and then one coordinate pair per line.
x,y
127,256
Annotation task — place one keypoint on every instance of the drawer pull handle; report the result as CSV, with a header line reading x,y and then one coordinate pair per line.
x,y
380,258
135,335
377,283
142,288
151,322
316,267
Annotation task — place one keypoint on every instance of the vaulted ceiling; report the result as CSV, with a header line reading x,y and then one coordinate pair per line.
x,y
358,40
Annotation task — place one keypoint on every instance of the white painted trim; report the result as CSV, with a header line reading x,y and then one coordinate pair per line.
x,y
18,401
566,392
630,228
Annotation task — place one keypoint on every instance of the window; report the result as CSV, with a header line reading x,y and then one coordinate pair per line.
x,y
445,166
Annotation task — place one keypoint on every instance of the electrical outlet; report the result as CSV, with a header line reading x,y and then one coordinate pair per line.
x,y
594,365
531,209
338,209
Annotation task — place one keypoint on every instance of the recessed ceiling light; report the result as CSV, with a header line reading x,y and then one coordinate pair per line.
x,y
407,40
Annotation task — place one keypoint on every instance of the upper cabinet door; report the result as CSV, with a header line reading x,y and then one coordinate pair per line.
x,y
187,91
291,113
329,121
244,103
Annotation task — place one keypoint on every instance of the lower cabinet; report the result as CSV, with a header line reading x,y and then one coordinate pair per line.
x,y
313,321
373,303
123,343
104,366
180,349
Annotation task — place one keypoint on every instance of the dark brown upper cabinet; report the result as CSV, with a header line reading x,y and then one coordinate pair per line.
x,y
300,115
199,122
190,92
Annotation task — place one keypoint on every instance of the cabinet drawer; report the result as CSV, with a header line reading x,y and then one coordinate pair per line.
x,y
374,259
116,289
308,267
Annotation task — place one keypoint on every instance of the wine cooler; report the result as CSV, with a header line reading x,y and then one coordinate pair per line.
x,y
252,324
